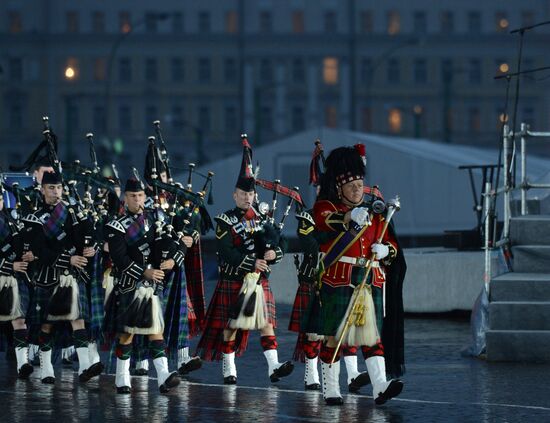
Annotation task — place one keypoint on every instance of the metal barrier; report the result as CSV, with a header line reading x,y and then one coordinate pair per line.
x,y
509,163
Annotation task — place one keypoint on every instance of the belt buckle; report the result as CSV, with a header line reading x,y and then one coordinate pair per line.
x,y
361,261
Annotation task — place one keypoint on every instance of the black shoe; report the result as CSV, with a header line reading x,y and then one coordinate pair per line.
x,y
312,387
334,401
172,381
362,379
194,364
230,380
25,370
395,387
284,370
92,371
49,380
123,390
141,372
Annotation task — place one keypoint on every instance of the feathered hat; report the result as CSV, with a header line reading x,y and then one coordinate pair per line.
x,y
247,178
343,165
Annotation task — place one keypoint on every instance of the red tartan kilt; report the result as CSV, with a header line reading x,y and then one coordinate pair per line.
x,y
226,295
301,302
194,327
190,310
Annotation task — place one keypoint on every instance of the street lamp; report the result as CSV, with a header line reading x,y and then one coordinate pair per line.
x,y
70,74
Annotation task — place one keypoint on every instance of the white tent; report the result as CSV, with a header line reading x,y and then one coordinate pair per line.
x,y
435,195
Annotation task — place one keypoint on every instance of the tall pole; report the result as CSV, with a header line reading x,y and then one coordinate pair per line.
x,y
68,127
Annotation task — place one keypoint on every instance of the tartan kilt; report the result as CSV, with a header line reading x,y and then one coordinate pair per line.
x,y
176,326
300,307
335,302
194,326
195,288
38,307
96,298
24,296
115,318
218,317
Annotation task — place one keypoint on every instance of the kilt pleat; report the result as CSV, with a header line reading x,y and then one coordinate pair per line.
x,y
300,306
176,326
96,296
218,317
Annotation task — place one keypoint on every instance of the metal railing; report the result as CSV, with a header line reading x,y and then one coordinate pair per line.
x,y
509,163
507,189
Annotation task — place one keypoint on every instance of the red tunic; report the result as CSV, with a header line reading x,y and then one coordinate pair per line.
x,y
329,217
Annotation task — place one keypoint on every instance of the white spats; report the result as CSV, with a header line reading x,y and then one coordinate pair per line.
x,y
272,361
22,356
331,380
142,365
122,377
311,375
166,380
83,359
93,354
382,389
46,368
161,366
33,351
376,367
351,367
183,356
228,365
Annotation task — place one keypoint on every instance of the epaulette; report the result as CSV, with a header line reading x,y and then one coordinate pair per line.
x,y
226,218
116,225
32,218
305,215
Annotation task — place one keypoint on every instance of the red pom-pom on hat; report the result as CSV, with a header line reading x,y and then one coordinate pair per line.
x,y
361,149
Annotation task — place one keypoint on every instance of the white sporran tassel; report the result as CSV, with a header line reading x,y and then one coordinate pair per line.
x,y
10,282
249,286
363,330
66,281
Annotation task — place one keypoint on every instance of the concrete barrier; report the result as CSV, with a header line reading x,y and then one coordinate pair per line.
x,y
437,280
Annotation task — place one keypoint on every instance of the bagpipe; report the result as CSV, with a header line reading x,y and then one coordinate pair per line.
x,y
249,312
176,212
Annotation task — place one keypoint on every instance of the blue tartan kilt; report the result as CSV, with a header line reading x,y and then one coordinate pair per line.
x,y
24,296
176,322
96,298
38,307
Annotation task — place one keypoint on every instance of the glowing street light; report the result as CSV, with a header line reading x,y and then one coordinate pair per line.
x,y
70,72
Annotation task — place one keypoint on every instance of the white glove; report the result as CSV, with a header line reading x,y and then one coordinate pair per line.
x,y
381,250
360,215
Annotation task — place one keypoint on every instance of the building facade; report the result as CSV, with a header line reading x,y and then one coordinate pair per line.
x,y
210,70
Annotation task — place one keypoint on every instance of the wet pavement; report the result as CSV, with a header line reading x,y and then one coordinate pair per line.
x,y
440,386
